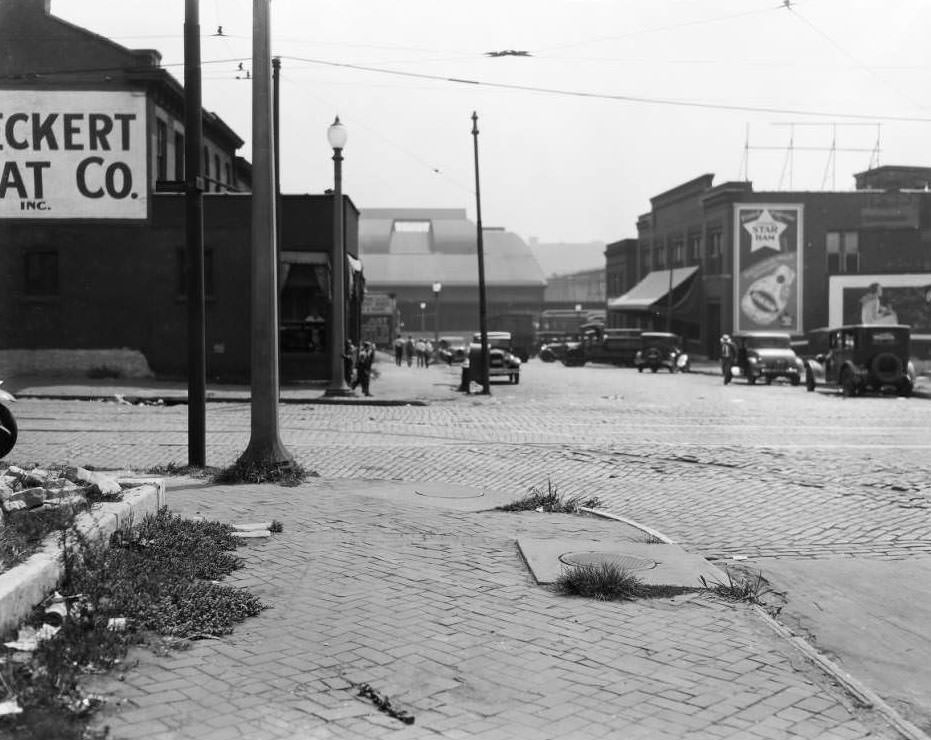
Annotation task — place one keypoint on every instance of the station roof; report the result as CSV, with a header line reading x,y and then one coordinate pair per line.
x,y
417,246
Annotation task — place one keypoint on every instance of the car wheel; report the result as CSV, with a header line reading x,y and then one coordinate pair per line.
x,y
8,431
672,368
795,380
751,379
905,389
848,385
769,380
654,369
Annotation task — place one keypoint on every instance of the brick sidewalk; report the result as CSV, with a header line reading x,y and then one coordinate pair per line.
x,y
435,609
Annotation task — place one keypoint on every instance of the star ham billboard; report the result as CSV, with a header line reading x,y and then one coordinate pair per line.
x,y
67,154
768,267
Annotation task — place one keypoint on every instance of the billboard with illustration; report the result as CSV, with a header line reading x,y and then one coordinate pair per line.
x,y
73,154
767,267
882,299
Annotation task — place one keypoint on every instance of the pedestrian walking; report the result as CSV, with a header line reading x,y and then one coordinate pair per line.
x,y
399,350
427,352
419,349
728,353
409,350
364,363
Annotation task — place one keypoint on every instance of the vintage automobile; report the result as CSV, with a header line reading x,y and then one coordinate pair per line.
x,y
764,355
859,358
600,344
451,349
502,362
552,345
660,349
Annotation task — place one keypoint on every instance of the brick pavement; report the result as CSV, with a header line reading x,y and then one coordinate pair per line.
x,y
435,609
764,471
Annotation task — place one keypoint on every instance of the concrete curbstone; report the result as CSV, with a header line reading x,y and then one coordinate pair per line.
x,y
28,583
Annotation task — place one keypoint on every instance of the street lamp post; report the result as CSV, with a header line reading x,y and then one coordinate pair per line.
x,y
437,287
480,249
423,308
336,136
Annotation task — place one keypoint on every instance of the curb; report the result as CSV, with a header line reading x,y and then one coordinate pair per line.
x,y
182,400
29,582
863,695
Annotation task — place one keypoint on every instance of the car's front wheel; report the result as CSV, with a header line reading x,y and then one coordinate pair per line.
x,y
795,380
848,385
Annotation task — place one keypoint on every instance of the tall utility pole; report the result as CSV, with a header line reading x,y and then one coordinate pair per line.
x,y
482,310
276,123
265,447
194,237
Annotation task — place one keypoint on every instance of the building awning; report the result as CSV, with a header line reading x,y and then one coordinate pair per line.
x,y
652,289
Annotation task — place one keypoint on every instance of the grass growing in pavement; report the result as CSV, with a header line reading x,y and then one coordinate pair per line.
x,y
739,588
160,577
285,474
610,582
551,501
23,531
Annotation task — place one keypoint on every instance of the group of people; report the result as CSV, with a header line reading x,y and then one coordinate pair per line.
x,y
407,350
357,365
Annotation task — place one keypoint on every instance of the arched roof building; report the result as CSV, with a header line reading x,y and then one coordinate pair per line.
x,y
406,251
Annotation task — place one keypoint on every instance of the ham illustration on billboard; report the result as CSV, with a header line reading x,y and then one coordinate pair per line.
x,y
767,268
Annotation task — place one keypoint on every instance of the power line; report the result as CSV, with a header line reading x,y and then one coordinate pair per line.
x,y
615,97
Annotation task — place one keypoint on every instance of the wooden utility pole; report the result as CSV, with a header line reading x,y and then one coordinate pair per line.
x,y
194,238
265,447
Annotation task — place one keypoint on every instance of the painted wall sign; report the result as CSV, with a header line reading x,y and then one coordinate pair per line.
x,y
767,267
890,211
882,299
73,154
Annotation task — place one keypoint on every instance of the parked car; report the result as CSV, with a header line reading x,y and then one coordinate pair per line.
x,y
452,349
661,350
860,358
600,344
764,355
502,361
553,345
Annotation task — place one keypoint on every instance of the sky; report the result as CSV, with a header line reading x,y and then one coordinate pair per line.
x,y
615,102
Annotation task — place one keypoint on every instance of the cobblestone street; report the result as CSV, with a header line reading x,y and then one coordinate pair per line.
x,y
752,473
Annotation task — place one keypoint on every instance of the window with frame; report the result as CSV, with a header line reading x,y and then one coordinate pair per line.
x,y
659,256
183,273
843,251
40,273
695,248
678,253
713,254
644,260
161,149
179,155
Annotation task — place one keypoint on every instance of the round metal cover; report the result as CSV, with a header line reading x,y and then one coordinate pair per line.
x,y
447,490
617,559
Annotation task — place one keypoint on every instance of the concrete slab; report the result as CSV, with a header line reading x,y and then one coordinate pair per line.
x,y
655,565
438,494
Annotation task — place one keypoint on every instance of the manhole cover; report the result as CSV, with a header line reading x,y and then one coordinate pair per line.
x,y
617,559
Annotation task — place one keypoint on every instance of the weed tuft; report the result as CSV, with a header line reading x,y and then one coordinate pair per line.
x,y
285,474
174,468
276,527
605,582
739,588
157,578
551,501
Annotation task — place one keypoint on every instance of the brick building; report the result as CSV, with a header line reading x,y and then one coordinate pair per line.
x,y
93,237
719,258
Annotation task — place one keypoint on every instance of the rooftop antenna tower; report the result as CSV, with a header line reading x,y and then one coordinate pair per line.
x,y
788,165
